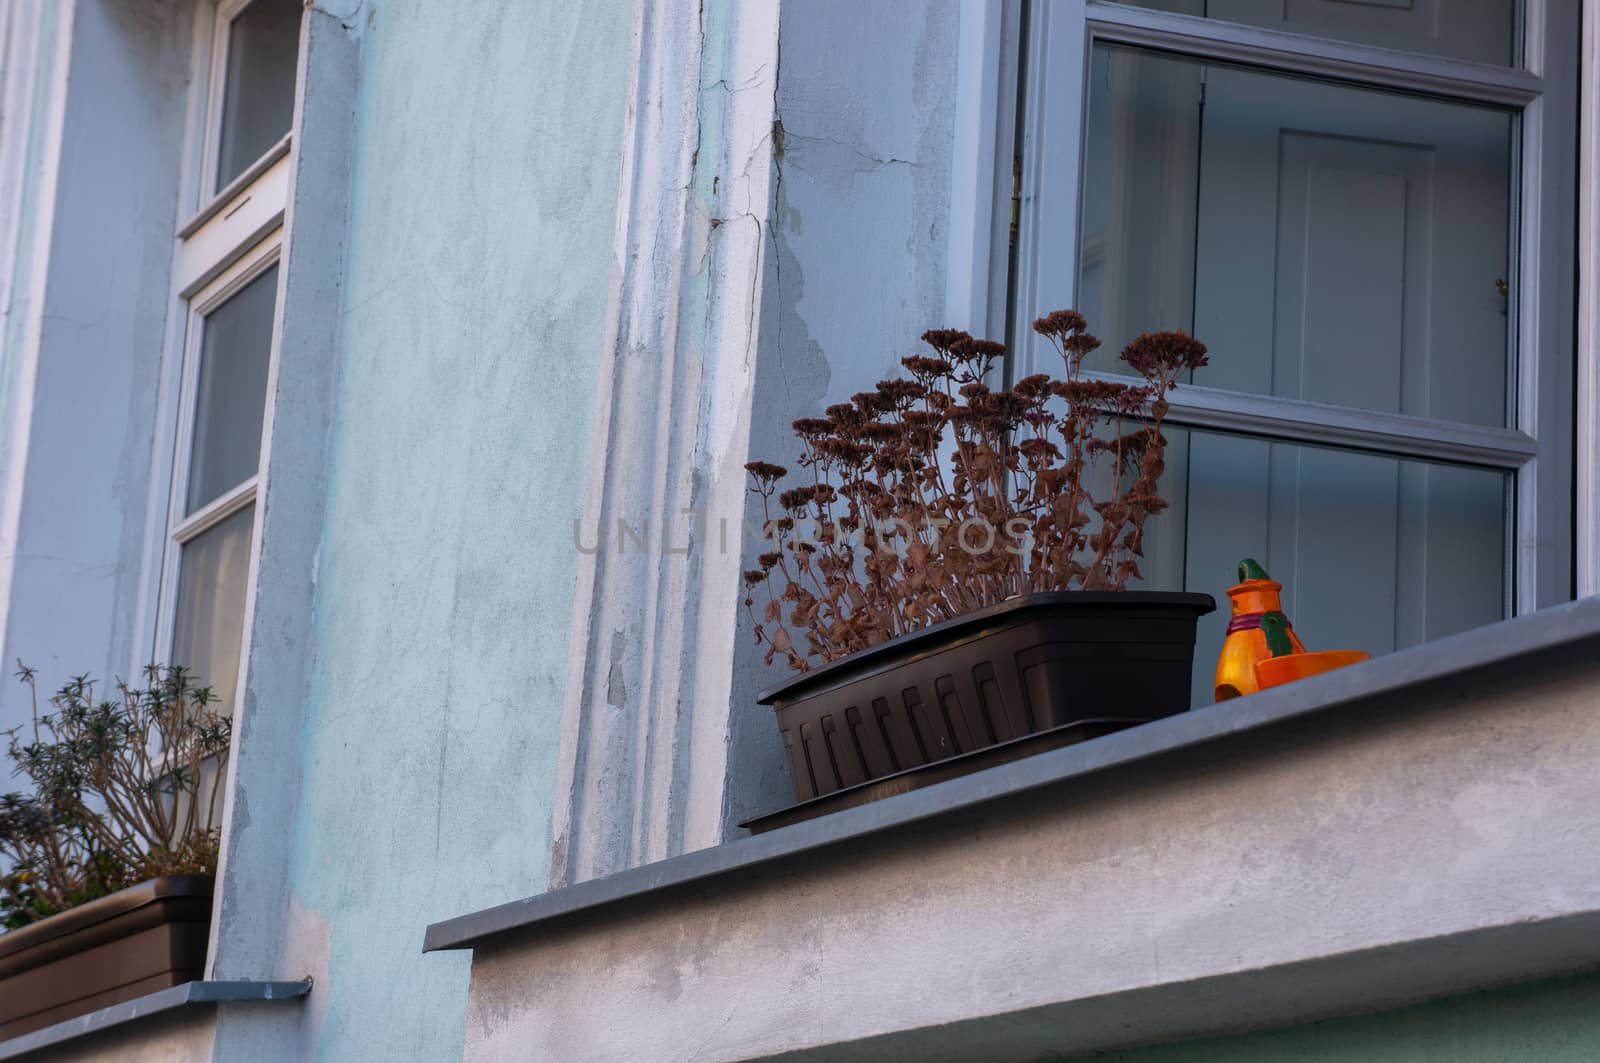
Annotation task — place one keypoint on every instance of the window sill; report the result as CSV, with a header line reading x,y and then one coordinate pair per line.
x,y
166,1003
226,196
1446,669
1416,827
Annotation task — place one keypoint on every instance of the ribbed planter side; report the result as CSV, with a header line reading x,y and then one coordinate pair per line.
x,y
135,941
1028,664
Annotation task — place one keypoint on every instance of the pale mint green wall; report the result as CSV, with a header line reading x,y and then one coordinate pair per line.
x,y
482,209
1544,1022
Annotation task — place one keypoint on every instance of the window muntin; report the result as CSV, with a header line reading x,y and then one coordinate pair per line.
x,y
1482,31
259,53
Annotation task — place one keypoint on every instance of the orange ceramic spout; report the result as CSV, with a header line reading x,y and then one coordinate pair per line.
x,y
1246,642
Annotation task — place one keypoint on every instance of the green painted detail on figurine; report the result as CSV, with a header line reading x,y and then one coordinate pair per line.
x,y
1250,568
1276,627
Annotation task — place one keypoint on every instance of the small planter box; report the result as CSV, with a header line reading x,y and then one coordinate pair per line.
x,y
1034,663
135,941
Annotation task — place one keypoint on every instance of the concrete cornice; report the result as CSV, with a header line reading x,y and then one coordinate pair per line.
x,y
1568,632
1420,826
161,1002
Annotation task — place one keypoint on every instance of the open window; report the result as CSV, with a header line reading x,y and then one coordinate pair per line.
x,y
222,337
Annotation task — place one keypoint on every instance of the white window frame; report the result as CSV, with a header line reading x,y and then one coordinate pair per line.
x,y
227,240
1587,524
1537,451
215,97
183,527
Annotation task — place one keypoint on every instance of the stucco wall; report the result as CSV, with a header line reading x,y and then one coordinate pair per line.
x,y
1555,1021
482,204
32,95
855,267
1432,842
80,351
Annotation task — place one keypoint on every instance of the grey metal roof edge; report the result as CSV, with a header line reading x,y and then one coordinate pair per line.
x,y
1495,644
160,1002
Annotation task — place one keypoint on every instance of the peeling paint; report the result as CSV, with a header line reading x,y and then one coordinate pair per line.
x,y
855,266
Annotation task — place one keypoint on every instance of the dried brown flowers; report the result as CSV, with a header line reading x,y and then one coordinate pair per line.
x,y
934,496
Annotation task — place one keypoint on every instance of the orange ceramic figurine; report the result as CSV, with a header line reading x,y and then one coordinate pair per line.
x,y
1253,597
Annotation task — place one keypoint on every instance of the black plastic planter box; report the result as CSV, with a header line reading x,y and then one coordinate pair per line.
x,y
136,941
1032,663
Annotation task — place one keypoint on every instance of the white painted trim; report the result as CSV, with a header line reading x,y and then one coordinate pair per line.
x,y
215,89
248,264
1525,280
975,169
1587,486
216,511
19,415
1543,293
192,190
180,527
237,185
21,32
1348,428
643,765
253,212
1056,104
1222,41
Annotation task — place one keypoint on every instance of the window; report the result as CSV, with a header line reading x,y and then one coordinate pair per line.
x,y
221,344
250,106
1375,244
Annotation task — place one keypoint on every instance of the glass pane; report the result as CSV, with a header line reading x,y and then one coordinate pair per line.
x,y
1481,30
209,619
258,97
1373,553
231,398
1329,243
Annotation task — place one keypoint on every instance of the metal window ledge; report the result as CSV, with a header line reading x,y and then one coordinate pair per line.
x,y
1567,632
163,1002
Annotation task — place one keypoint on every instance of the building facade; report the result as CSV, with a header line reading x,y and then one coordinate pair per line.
x,y
394,363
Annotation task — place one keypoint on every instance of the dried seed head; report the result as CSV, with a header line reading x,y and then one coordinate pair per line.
x,y
943,339
765,471
1060,323
1154,354
927,370
809,428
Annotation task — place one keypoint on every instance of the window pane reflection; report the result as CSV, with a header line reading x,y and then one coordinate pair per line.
x,y
231,399
258,97
1328,243
1374,553
209,624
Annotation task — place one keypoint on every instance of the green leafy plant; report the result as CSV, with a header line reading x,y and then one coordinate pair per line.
x,y
122,790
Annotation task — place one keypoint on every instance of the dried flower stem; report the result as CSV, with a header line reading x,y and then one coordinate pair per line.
x,y
891,549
